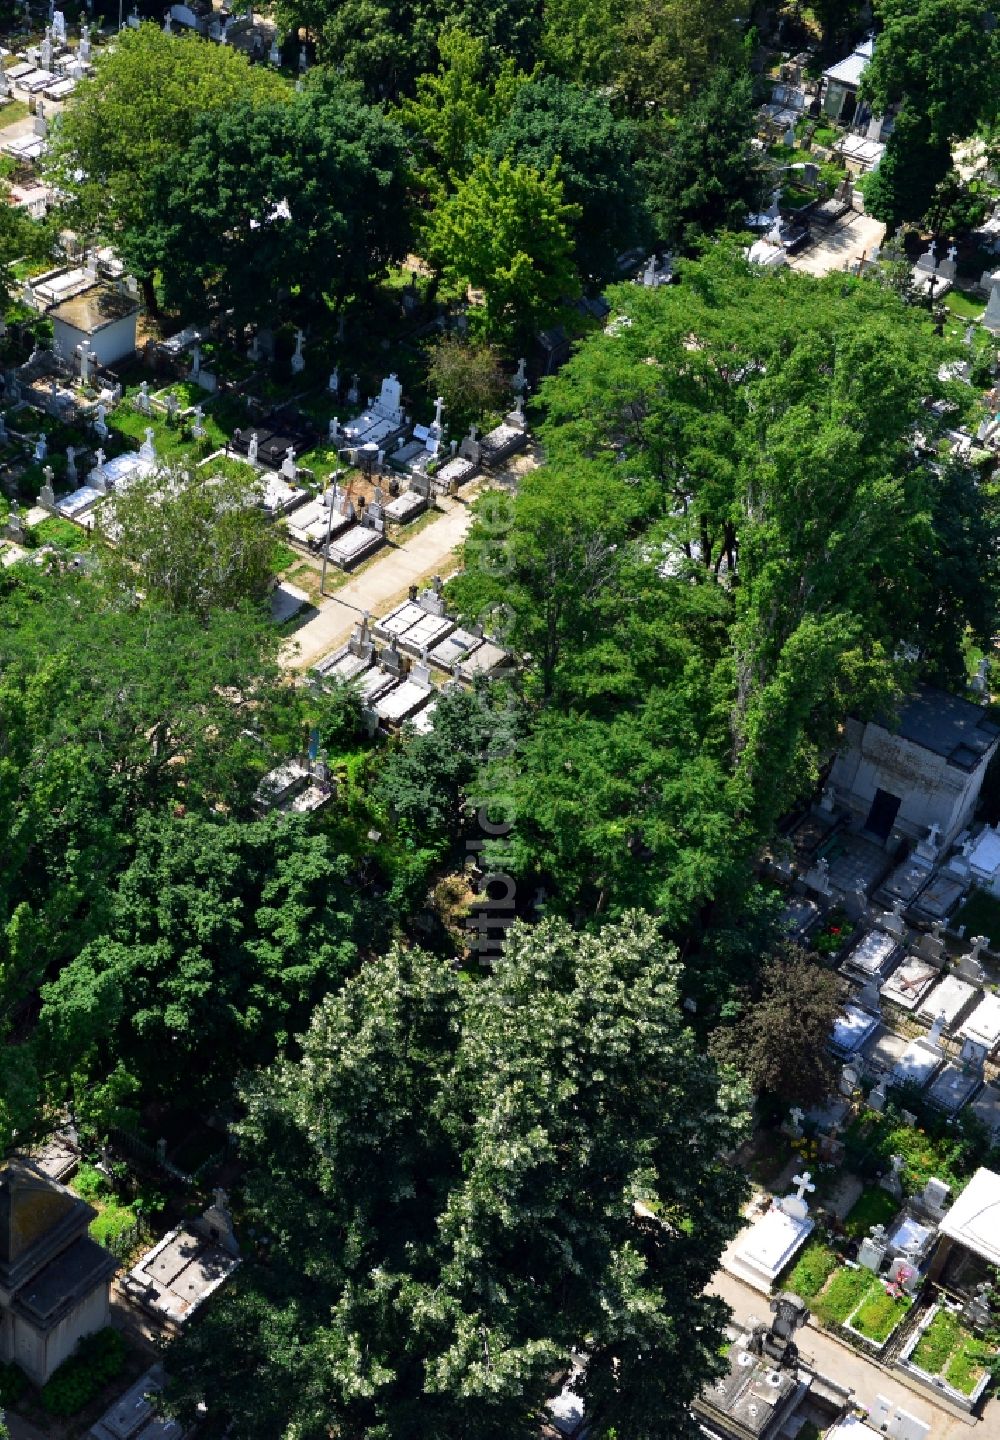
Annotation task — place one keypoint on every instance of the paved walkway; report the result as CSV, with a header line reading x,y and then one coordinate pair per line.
x,y
384,584
846,1367
840,246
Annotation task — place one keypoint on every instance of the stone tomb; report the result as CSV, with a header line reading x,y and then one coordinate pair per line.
x,y
54,1279
852,1029
406,507
762,1252
952,998
917,1064
133,1416
875,954
179,1274
909,982
983,1025
952,1088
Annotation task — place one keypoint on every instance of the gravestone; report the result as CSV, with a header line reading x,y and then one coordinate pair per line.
x,y
147,450
15,528
934,1197
71,475
796,1205
217,1223
892,1182
198,428
948,269
991,319
928,261
353,394
878,1097
252,448
333,384
46,497
818,877
289,469
333,434
142,399
298,359
100,424
870,997
521,378
796,1115
973,1057
978,1309
41,448
892,920
856,904
850,1079
873,1249
274,54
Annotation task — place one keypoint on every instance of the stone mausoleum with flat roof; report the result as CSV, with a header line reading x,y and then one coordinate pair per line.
x,y
54,1279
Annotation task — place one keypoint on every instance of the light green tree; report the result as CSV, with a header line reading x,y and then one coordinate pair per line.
x,y
507,231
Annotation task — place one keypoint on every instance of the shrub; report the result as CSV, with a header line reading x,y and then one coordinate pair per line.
x,y
12,1385
812,1270
874,1206
98,1359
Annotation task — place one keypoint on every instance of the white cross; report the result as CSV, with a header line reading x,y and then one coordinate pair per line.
x,y
803,1184
796,1115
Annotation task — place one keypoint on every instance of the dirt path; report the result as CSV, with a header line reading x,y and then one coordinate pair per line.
x,y
384,584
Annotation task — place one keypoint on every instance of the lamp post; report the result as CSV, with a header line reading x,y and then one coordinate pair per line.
x,y
329,531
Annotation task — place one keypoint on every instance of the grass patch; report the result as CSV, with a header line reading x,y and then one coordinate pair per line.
x,y
11,113
936,1343
812,1270
874,1206
98,1359
963,305
981,916
283,557
968,1364
825,135
63,534
114,1218
842,1296
877,1317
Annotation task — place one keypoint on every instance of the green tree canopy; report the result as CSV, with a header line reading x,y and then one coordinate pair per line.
x,y
734,542
198,543
701,175
220,937
462,1185
131,122
940,61
507,230
551,120
469,377
306,196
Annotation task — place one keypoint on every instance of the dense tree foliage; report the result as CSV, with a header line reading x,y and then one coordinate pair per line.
x,y
701,176
198,543
730,547
553,121
130,124
219,937
460,1182
508,230
469,377
107,711
304,198
940,61
780,1044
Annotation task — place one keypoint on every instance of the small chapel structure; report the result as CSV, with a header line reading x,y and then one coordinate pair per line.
x,y
55,1280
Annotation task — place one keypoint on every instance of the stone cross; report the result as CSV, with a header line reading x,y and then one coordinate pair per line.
x,y
252,449
334,431
797,1113
41,448
803,1185
473,432
333,384
196,361
298,360
70,462
220,1198
99,457
303,58
953,253
274,54
438,410
937,1028
198,429
521,378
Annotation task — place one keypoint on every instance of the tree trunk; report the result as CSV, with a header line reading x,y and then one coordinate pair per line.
x,y
149,295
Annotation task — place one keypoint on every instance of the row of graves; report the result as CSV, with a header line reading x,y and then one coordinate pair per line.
x,y
876,873
400,468
400,664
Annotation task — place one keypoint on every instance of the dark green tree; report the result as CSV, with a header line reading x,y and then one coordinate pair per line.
x,y
780,1044
701,175
462,1185
220,937
552,120
305,196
